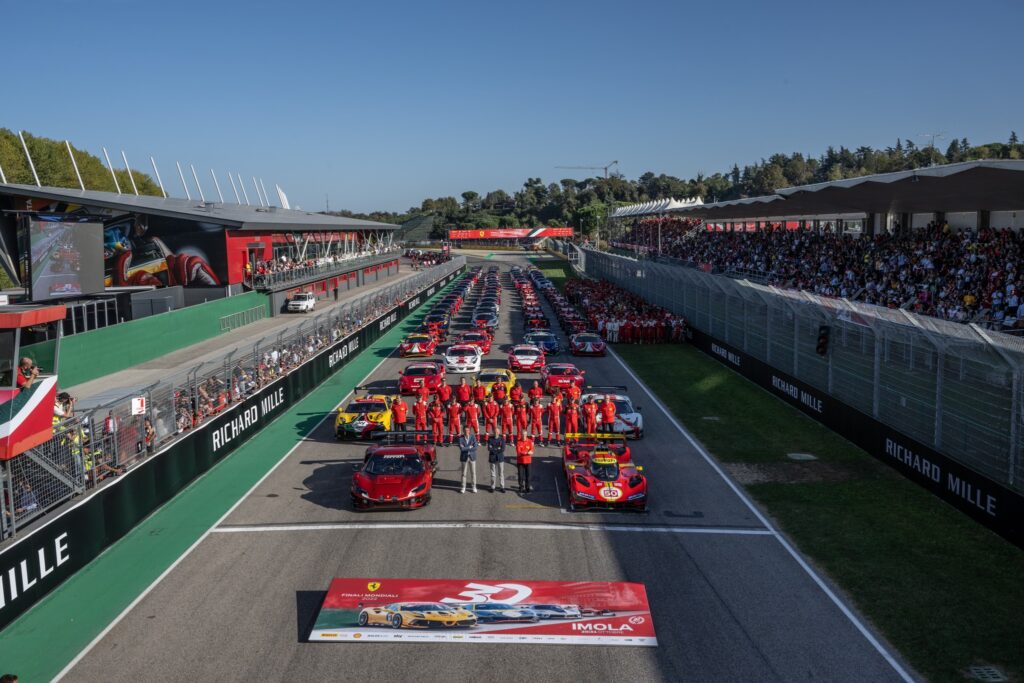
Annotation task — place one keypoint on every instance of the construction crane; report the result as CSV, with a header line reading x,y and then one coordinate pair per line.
x,y
593,168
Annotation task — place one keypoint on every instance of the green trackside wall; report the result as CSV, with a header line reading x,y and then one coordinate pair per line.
x,y
89,355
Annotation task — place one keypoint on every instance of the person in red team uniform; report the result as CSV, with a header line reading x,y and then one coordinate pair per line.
x,y
454,421
472,413
491,411
463,392
536,418
535,391
554,420
423,392
573,391
499,392
479,391
444,392
607,411
572,418
590,416
508,418
399,413
522,418
419,414
515,392
437,421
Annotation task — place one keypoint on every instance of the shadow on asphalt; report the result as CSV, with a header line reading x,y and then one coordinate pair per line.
x,y
307,607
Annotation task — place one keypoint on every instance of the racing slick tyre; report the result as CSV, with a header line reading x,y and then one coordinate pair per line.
x,y
363,619
396,621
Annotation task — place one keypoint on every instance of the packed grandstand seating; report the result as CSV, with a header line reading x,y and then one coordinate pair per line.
x,y
958,275
287,264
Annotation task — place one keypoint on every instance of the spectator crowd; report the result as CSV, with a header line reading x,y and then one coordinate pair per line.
x,y
620,316
958,275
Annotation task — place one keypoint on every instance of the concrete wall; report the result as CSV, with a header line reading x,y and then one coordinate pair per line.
x,y
1007,219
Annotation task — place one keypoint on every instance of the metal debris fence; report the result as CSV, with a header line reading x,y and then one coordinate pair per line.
x,y
954,387
108,440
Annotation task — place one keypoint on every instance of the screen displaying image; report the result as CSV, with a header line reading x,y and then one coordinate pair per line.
x,y
67,258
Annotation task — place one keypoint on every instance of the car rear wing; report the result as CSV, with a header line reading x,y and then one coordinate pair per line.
x,y
606,437
402,437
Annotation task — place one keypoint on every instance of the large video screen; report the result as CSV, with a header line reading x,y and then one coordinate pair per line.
x,y
67,257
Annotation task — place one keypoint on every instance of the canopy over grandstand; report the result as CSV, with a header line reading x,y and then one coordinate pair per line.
x,y
989,185
237,216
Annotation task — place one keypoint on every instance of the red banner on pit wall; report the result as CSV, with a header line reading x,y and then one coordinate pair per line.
x,y
508,233
485,611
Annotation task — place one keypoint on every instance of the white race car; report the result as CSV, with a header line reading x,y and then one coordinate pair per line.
x,y
628,419
461,358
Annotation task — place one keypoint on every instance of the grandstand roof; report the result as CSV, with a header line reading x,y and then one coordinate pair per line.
x,y
994,185
231,215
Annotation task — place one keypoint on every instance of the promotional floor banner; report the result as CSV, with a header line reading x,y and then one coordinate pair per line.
x,y
450,610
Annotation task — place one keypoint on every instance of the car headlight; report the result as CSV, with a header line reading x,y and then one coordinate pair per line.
x,y
361,492
419,489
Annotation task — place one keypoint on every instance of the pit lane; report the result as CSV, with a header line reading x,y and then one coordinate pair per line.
x,y
728,598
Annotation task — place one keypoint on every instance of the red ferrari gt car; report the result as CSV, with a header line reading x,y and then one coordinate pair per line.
x,y
416,375
560,375
396,475
418,344
586,344
478,338
526,358
597,479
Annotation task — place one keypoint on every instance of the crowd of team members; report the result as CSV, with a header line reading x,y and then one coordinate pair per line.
x,y
960,275
620,316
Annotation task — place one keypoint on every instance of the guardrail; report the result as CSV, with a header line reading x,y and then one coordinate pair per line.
x,y
242,318
111,439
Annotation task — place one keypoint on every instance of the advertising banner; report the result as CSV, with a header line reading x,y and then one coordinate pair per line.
x,y
483,611
508,233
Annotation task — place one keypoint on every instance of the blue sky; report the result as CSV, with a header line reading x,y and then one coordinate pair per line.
x,y
380,104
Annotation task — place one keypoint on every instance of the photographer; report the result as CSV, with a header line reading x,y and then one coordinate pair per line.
x,y
27,373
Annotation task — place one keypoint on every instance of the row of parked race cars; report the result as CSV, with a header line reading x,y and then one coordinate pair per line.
x,y
468,615
398,470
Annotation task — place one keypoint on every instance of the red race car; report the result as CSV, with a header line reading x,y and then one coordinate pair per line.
x,y
615,444
598,479
395,474
418,344
416,375
526,358
560,375
586,344
478,338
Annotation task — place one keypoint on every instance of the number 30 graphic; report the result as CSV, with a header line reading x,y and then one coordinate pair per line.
x,y
482,592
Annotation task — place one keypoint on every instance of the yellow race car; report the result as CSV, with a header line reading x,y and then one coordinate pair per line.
x,y
489,377
417,615
363,416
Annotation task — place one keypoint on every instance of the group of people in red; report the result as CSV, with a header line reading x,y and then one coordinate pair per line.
x,y
519,414
621,317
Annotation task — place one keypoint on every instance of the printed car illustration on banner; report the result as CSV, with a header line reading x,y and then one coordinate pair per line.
x,y
380,609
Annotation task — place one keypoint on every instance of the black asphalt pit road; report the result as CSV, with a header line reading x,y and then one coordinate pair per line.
x,y
696,514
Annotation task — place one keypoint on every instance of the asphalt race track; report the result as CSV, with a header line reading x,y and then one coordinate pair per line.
x,y
730,600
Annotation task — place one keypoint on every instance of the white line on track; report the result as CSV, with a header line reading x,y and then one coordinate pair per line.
x,y
847,612
515,526
81,655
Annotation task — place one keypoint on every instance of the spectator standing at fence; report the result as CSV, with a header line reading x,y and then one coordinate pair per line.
x,y
399,414
149,435
524,458
496,458
467,456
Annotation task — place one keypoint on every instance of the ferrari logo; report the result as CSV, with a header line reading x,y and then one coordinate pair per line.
x,y
373,586
481,233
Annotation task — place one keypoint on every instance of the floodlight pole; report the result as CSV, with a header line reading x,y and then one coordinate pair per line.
x,y
195,175
158,179
28,156
74,163
183,183
238,200
130,176
112,174
244,193
217,185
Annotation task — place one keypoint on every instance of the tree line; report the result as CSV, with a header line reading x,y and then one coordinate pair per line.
x,y
581,204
